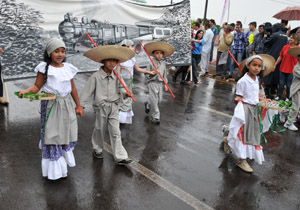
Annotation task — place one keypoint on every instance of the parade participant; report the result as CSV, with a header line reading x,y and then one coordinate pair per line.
x,y
286,67
59,129
294,91
244,131
205,55
105,89
155,83
126,70
196,54
2,100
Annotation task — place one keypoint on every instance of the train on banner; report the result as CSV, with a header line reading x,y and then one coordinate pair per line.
x,y
104,33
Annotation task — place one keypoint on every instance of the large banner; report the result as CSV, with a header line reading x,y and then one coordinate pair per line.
x,y
26,25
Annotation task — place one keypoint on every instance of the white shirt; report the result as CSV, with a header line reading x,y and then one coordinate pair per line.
x,y
129,64
248,89
59,79
208,37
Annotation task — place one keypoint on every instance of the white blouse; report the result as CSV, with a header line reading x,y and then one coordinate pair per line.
x,y
59,79
248,89
129,64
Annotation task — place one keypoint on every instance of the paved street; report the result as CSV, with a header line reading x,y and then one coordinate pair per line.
x,y
177,165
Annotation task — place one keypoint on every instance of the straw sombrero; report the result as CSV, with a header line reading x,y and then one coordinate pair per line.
x,y
162,46
101,53
269,63
295,52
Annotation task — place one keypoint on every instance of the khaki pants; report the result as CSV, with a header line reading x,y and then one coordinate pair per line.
x,y
295,105
107,117
155,96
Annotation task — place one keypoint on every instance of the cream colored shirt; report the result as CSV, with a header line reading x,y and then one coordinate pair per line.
x,y
103,88
161,65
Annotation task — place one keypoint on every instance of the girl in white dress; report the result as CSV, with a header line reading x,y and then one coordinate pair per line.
x,y
58,117
244,131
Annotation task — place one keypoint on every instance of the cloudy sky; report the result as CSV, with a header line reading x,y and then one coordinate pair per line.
x,y
244,10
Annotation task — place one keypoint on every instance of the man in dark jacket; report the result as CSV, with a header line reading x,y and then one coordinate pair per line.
x,y
273,44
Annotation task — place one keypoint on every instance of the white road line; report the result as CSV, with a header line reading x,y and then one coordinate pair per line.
x,y
171,188
215,111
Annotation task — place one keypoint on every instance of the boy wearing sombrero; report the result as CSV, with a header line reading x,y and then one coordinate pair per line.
x,y
155,83
105,89
294,91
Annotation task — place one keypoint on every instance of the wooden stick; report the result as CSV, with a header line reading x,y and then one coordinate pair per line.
x,y
113,71
6,93
157,70
235,60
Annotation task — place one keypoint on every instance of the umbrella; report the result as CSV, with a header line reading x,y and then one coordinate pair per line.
x,y
294,30
289,13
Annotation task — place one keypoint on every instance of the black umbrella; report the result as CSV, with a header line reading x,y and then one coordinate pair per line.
x,y
294,30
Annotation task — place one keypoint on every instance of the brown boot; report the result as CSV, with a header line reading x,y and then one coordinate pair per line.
x,y
243,164
226,146
3,101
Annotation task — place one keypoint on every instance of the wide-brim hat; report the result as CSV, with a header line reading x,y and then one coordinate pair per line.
x,y
295,52
269,63
101,53
162,46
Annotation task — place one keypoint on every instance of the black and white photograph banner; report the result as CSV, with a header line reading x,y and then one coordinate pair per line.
x,y
26,25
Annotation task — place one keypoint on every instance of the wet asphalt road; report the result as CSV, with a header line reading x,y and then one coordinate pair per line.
x,y
181,154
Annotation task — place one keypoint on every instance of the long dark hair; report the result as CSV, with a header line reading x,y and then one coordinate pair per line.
x,y
48,60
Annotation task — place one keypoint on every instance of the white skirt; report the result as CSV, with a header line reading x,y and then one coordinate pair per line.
x,y
126,117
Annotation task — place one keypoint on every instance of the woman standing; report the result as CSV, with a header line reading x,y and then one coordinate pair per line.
x,y
286,68
196,54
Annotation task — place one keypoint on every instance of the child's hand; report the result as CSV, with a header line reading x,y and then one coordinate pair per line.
x,y
22,92
152,72
261,97
129,94
166,88
79,111
237,99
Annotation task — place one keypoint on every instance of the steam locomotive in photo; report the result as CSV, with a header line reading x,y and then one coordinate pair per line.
x,y
103,33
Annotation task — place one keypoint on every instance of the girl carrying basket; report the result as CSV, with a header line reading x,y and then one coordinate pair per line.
x,y
58,117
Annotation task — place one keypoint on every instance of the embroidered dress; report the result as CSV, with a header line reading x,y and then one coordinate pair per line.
x,y
58,130
125,106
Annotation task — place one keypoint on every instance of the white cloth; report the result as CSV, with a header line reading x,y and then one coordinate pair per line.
x,y
126,117
58,81
248,89
208,37
241,150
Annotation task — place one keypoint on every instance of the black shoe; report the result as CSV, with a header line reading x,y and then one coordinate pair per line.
x,y
216,75
174,78
155,120
228,76
124,162
147,110
98,155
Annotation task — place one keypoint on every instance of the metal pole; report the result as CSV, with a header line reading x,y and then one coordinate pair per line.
x,y
228,11
205,12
